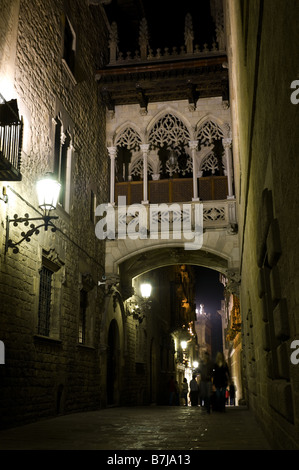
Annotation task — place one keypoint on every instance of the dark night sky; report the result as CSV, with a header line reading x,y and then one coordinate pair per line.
x,y
165,25
210,292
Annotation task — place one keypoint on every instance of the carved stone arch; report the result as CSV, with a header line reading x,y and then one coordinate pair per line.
x,y
222,127
129,134
211,163
136,164
176,114
209,132
127,139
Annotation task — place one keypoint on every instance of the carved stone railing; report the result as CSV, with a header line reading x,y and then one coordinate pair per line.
x,y
146,54
216,215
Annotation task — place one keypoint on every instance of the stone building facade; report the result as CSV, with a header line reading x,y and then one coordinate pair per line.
x,y
50,305
71,344
263,62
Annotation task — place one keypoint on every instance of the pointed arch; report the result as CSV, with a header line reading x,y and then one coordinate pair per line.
x,y
136,165
169,126
128,135
211,128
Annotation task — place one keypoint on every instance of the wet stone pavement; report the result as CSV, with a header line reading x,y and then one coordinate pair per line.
x,y
150,428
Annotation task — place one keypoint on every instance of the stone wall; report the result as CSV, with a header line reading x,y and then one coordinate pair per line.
x,y
263,65
44,376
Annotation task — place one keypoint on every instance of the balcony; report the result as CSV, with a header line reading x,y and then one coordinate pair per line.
x,y
210,188
219,214
11,136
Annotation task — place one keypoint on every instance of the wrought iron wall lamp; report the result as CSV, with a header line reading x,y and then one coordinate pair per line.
x,y
47,192
138,306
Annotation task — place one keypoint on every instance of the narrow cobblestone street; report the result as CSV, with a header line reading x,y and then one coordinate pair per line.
x,y
141,428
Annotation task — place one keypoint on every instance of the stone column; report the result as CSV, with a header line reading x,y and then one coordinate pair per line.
x,y
143,39
112,154
189,35
193,145
227,143
113,41
145,148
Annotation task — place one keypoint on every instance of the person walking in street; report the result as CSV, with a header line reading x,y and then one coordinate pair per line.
x,y
205,388
220,381
232,393
184,393
194,390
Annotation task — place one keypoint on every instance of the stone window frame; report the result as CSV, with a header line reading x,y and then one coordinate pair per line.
x,y
69,48
92,205
62,137
87,285
55,266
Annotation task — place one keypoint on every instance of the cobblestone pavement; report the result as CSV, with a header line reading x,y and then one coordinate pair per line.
x,y
141,428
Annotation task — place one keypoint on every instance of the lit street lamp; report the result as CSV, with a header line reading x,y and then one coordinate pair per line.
x,y
47,192
145,290
184,345
138,306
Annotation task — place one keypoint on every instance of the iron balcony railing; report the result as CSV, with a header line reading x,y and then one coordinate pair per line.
x,y
11,139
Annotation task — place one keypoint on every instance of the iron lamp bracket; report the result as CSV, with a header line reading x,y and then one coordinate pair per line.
x,y
34,229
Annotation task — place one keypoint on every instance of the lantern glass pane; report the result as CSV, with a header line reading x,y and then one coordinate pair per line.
x,y
146,290
47,193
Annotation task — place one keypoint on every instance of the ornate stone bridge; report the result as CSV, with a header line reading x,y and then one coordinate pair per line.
x,y
128,256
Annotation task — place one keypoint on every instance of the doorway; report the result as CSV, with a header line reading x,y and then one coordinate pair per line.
x,y
113,364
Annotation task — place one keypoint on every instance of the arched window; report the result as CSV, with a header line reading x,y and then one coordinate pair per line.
x,y
211,134
169,131
62,161
170,134
208,133
127,142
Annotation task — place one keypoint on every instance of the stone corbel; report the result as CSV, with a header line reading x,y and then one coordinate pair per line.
x,y
142,98
233,283
193,96
108,100
109,283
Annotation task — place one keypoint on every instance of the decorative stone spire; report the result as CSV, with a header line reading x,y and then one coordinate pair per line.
x,y
113,42
143,39
220,35
189,36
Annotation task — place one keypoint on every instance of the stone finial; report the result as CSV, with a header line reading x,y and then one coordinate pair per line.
x,y
143,39
113,42
220,35
189,36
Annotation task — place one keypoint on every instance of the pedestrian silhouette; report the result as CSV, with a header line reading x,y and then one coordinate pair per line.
x,y
194,390
184,393
220,381
205,387
232,393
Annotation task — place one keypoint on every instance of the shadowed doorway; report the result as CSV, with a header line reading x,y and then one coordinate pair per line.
x,y
113,364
